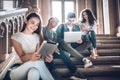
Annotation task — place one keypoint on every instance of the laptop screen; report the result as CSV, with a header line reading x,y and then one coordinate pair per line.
x,y
72,36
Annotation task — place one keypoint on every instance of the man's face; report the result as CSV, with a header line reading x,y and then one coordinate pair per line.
x,y
54,24
71,20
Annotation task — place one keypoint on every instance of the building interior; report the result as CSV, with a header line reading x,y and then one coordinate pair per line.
x,y
107,13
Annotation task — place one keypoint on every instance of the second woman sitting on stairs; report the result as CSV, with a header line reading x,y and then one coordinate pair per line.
x,y
88,23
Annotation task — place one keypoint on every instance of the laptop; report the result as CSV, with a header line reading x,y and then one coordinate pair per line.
x,y
72,36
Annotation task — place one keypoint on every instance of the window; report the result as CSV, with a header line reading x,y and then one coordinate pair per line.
x,y
60,8
7,4
106,17
56,9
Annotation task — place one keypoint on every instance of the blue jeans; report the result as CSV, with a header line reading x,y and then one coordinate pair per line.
x,y
92,38
83,46
66,59
73,48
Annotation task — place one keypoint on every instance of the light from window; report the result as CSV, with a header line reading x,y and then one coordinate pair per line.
x,y
56,10
69,7
8,5
60,10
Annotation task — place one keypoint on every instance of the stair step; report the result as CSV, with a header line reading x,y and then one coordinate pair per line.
x,y
103,52
108,46
108,41
97,70
106,37
101,60
109,51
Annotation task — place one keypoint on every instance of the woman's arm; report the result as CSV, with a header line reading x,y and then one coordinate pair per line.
x,y
24,57
82,27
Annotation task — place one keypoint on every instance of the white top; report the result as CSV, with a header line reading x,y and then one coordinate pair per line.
x,y
70,28
92,28
27,41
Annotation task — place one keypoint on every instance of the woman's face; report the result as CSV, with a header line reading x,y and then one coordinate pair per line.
x,y
32,24
85,16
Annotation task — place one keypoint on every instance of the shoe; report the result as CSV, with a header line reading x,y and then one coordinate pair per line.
x,y
76,78
79,75
87,63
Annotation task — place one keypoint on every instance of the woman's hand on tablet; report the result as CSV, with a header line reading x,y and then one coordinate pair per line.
x,y
49,58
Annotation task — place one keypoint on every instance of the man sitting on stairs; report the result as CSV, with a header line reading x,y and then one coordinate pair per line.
x,y
50,35
83,43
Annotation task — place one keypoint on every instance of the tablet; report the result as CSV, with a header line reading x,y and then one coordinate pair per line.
x,y
47,48
72,36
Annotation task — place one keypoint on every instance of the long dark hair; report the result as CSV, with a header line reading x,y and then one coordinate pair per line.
x,y
38,30
91,17
29,16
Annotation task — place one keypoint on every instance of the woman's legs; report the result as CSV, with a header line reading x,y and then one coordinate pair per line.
x,y
39,65
16,73
43,70
92,37
33,74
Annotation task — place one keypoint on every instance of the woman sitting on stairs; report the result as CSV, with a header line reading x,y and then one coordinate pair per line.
x,y
26,44
87,24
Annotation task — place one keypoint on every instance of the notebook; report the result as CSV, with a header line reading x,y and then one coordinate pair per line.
x,y
47,48
72,36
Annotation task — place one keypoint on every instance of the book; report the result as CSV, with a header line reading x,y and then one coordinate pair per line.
x,y
47,48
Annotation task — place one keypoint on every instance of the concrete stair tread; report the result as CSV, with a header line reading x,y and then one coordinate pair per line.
x,y
95,70
109,51
108,41
107,37
101,60
103,52
108,46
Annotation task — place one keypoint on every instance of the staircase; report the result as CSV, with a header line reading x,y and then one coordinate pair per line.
x,y
106,66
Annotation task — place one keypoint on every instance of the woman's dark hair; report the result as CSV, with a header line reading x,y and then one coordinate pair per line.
x,y
91,17
38,30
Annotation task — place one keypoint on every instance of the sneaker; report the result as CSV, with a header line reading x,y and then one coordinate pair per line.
x,y
79,75
76,78
87,63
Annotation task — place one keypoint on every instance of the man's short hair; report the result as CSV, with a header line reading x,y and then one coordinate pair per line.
x,y
71,15
54,19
